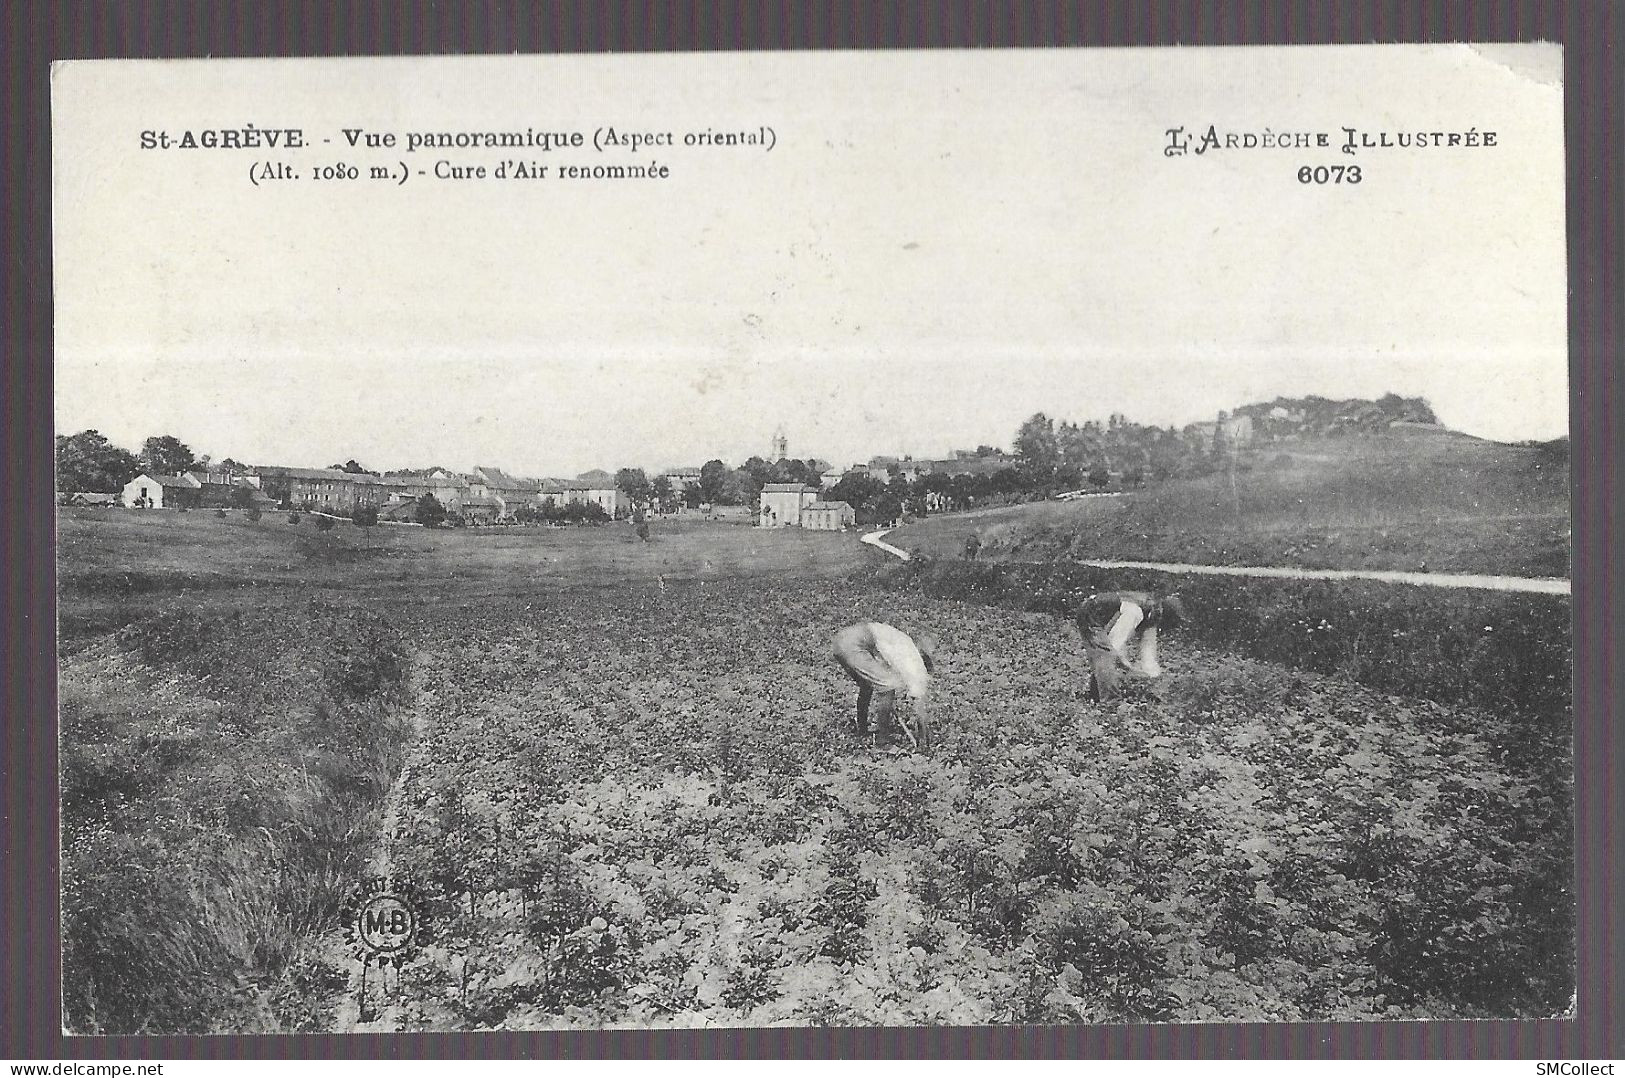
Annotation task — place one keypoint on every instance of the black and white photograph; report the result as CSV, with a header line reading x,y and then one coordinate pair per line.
x,y
1002,537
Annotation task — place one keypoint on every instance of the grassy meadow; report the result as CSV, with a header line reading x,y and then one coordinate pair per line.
x,y
115,566
1438,502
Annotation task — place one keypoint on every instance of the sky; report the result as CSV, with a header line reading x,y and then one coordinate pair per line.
x,y
938,245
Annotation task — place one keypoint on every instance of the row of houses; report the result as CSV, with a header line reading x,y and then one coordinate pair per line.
x,y
485,495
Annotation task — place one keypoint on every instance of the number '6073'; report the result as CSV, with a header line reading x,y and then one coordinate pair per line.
x,y
1329,174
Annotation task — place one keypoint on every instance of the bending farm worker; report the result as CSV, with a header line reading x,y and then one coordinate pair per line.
x,y
1110,622
885,661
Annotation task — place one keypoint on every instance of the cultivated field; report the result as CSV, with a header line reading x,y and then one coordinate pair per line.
x,y
631,796
1445,502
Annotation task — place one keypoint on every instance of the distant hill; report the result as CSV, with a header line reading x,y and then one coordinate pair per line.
x,y
1321,417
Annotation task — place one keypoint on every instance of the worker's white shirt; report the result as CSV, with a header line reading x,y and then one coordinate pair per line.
x,y
899,652
1121,630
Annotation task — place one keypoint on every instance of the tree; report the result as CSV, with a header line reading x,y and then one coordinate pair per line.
x,y
1006,481
761,471
429,512
1099,476
713,474
796,471
887,507
635,484
364,516
242,496
165,454
352,466
89,463
739,487
662,493
1081,446
859,490
1037,447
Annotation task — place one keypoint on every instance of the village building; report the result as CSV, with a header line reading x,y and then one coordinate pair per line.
x,y
683,479
403,511
511,491
327,490
828,516
610,498
555,492
162,492
90,499
482,508
884,468
1235,430
781,504
220,490
607,496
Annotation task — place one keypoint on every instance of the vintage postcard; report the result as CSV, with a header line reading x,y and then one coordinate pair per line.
x,y
1041,536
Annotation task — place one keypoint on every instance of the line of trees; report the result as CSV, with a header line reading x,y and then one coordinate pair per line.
x,y
569,513
719,483
88,462
1055,456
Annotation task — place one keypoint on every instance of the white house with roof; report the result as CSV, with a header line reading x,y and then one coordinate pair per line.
x,y
781,504
606,495
162,492
828,516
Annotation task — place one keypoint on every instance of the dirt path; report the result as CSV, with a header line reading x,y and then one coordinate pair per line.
x,y
1542,585
1539,585
347,1013
873,539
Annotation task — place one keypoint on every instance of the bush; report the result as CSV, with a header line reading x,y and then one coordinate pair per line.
x,y
429,512
252,513
324,524
293,518
220,513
